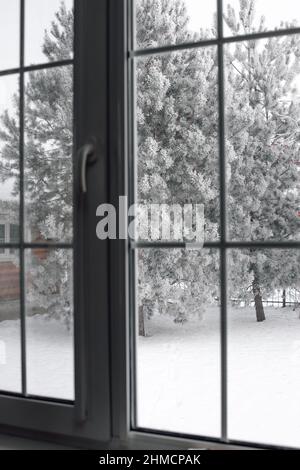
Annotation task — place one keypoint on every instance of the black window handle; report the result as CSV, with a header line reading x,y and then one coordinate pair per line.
x,y
87,157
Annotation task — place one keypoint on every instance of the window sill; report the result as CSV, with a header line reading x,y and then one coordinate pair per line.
x,y
18,443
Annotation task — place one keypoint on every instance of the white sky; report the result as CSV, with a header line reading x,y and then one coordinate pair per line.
x,y
38,17
201,11
40,13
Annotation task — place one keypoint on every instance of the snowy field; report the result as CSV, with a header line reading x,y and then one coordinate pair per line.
x,y
179,376
49,358
179,372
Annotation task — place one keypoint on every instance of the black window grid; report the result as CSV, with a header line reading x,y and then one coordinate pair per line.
x,y
23,245
223,244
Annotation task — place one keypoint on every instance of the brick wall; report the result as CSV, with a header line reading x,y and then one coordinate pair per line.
x,y
9,281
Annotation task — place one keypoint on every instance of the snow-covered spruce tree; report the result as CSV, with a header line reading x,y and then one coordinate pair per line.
x,y
177,155
262,143
263,113
48,168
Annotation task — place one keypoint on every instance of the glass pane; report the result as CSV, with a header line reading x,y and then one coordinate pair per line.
x,y
49,323
178,347
9,34
262,107
166,22
10,334
177,132
9,149
48,155
48,31
252,16
264,346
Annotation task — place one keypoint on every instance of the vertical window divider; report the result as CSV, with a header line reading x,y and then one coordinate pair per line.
x,y
132,200
223,221
22,208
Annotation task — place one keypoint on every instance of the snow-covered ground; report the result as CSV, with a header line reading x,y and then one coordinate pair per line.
x,y
179,372
179,376
49,358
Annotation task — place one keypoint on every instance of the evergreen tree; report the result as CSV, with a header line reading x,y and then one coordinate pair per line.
x,y
177,155
48,168
177,123
263,113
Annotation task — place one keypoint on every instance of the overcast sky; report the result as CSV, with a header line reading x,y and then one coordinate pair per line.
x,y
201,11
38,14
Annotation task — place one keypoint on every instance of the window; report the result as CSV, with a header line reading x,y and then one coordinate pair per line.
x,y
214,114
35,196
212,121
48,115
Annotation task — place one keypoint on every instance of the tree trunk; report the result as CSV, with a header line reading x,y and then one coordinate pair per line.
x,y
142,331
283,298
259,308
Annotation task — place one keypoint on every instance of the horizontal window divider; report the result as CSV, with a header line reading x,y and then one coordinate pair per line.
x,y
33,68
173,244
14,71
36,245
173,48
260,244
212,42
48,245
215,244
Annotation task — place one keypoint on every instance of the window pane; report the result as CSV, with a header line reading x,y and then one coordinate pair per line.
x,y
49,323
260,15
178,347
48,31
264,356
48,155
166,22
9,34
9,148
263,111
10,334
177,132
